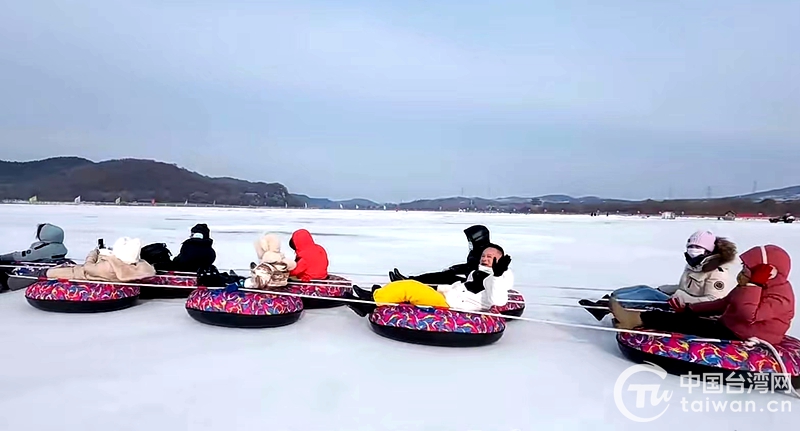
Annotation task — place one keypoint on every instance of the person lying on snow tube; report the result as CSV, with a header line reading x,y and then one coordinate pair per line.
x,y
273,268
196,252
485,287
48,247
709,275
761,306
311,258
121,263
478,239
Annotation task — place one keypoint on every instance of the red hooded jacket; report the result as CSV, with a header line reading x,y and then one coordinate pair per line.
x,y
764,307
312,259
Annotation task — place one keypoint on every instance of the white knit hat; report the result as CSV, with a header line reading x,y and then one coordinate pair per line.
x,y
127,249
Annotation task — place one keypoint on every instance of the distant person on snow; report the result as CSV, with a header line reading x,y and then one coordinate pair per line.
x,y
196,252
485,287
311,258
50,246
709,275
121,263
478,239
761,306
273,268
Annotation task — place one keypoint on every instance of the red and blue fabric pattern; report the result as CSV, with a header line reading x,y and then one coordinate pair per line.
x,y
56,290
244,303
728,355
436,320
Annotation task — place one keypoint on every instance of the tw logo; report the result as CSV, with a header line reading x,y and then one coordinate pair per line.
x,y
642,391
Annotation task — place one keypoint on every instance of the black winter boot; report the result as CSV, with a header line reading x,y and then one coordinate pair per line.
x,y
598,309
395,275
360,294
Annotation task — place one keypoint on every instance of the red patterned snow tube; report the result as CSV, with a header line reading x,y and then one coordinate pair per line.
x,y
515,306
239,309
679,354
332,287
436,326
80,297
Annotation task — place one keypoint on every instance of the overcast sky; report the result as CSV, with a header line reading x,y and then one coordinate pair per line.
x,y
412,99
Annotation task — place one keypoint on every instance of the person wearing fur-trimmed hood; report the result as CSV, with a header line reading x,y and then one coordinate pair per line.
x,y
760,308
709,274
121,263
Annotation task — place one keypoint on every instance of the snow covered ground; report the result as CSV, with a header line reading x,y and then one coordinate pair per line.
x,y
152,367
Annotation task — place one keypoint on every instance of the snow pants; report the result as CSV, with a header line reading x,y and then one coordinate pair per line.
x,y
409,291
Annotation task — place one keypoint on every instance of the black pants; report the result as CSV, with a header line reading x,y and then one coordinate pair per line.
x,y
686,323
436,278
454,274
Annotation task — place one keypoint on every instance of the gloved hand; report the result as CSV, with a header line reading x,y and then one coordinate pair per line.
x,y
676,304
501,266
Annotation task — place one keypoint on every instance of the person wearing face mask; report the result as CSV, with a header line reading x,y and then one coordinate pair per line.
x,y
762,305
709,275
478,240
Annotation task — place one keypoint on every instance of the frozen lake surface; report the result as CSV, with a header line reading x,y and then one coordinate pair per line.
x,y
152,367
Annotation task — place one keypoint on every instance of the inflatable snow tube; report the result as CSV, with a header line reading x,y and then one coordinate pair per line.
x,y
515,306
243,309
679,355
436,326
168,287
80,297
332,287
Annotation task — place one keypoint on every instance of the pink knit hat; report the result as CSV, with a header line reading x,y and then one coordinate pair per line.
x,y
704,239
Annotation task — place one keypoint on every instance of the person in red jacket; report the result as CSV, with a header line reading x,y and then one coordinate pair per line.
x,y
761,306
311,258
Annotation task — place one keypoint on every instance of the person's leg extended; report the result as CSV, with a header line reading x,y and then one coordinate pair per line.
x,y
410,291
684,323
639,297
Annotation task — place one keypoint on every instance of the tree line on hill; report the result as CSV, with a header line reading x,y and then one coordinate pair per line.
x,y
62,179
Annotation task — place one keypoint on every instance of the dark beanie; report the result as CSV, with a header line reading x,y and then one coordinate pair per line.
x,y
492,245
202,229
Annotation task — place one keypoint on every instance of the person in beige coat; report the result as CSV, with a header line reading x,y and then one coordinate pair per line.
x,y
709,274
273,268
121,263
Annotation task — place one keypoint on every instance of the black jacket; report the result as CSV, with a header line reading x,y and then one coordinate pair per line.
x,y
196,253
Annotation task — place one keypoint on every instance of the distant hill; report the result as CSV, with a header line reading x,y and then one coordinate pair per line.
x,y
324,203
61,179
64,178
774,202
784,194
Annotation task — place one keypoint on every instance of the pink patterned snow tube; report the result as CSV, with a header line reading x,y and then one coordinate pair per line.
x,y
332,287
80,297
680,353
515,306
243,309
436,326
